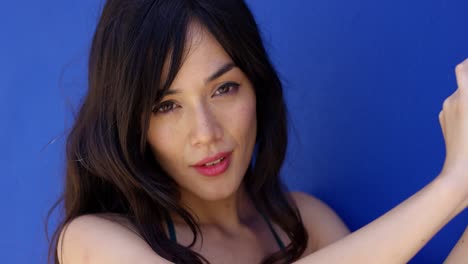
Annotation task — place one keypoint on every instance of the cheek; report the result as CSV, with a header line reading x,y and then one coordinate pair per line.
x,y
246,119
163,140
249,117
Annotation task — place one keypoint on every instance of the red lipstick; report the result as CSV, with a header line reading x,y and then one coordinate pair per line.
x,y
215,165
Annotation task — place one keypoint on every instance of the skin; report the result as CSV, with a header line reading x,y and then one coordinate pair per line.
x,y
208,127
200,119
197,121
399,234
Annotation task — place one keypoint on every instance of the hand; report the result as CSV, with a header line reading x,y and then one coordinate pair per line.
x,y
454,122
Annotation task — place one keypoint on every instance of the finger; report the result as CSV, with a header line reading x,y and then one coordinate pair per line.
x,y
452,100
461,71
448,102
455,95
442,121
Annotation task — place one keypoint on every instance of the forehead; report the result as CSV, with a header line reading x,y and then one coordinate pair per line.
x,y
202,55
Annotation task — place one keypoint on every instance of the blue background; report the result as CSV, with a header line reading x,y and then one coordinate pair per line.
x,y
364,81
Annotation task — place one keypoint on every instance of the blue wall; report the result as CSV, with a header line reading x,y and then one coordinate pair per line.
x,y
364,81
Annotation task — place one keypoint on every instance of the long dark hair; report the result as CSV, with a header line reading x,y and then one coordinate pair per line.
x,y
109,166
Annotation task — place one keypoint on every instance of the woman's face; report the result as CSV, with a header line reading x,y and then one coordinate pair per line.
x,y
209,112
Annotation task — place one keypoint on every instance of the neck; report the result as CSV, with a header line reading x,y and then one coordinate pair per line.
x,y
231,213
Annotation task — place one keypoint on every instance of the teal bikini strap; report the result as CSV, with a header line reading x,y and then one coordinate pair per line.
x,y
277,238
170,227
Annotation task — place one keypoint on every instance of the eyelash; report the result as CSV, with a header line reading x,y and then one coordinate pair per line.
x,y
169,106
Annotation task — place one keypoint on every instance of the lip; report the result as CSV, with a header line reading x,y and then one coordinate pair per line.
x,y
211,159
214,170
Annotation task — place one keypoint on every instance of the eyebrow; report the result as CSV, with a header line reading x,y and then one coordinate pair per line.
x,y
225,68
222,70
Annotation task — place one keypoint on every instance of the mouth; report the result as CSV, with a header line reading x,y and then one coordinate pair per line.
x,y
214,166
214,162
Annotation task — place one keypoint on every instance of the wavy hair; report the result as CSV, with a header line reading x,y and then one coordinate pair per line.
x,y
109,165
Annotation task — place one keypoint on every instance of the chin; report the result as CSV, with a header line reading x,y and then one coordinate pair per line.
x,y
217,193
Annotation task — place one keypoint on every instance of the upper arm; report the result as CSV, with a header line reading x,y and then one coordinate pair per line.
x,y
323,225
92,239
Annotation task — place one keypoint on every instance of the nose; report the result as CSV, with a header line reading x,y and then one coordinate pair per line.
x,y
205,128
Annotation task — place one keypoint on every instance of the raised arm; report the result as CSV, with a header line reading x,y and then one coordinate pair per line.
x,y
399,234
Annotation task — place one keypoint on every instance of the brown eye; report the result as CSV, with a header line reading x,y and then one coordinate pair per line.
x,y
227,88
165,107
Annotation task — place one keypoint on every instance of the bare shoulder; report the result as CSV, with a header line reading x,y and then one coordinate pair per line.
x,y
100,239
323,225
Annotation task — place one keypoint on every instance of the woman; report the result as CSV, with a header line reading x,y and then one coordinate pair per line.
x,y
176,151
